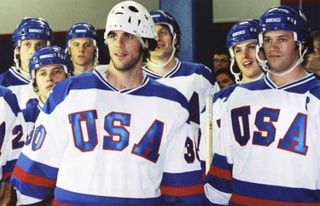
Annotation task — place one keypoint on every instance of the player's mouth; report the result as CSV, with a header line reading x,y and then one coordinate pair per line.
x,y
120,54
160,45
49,87
247,63
274,55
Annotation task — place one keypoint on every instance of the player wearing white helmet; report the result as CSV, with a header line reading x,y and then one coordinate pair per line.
x,y
81,45
30,35
112,136
267,149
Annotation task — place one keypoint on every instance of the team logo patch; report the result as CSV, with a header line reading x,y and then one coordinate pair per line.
x,y
270,20
34,30
238,33
81,31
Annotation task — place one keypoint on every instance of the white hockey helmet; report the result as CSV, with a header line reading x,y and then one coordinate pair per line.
x,y
130,17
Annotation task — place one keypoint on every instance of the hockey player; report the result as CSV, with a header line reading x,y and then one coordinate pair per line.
x,y
267,152
112,136
48,66
242,40
12,136
193,80
81,45
30,35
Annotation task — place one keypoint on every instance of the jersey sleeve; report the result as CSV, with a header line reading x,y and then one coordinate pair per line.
x,y
218,182
35,173
12,133
182,182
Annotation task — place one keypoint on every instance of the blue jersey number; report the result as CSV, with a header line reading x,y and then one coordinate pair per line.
x,y
2,134
17,132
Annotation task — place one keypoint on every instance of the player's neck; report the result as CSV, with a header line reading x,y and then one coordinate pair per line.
x,y
247,79
124,79
296,74
78,69
42,99
162,70
24,73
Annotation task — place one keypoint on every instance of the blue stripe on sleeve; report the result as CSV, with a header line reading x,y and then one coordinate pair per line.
x,y
275,193
182,179
219,183
31,190
80,199
37,168
195,200
221,162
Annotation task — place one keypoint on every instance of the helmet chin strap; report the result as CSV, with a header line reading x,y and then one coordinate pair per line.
x,y
262,63
168,61
266,68
300,60
17,65
235,74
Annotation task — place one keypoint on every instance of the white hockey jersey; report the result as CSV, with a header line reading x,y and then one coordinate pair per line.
x,y
267,151
19,85
12,131
195,82
96,145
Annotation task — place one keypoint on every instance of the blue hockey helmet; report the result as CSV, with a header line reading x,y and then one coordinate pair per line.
x,y
163,17
242,31
81,30
49,55
32,28
285,19
239,32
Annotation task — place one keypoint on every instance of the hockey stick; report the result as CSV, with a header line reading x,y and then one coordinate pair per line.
x,y
208,132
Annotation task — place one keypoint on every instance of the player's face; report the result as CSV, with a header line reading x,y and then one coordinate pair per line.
x,y
82,53
280,50
125,50
316,46
220,61
27,49
245,55
224,80
164,43
46,77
